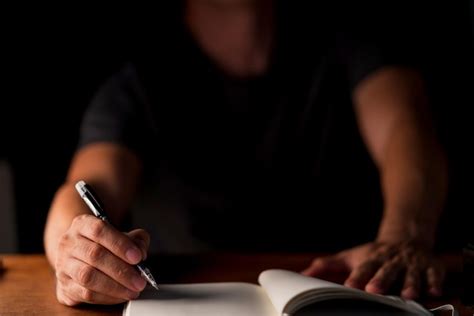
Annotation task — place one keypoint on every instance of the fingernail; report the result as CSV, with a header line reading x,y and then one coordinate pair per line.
x,y
139,283
133,255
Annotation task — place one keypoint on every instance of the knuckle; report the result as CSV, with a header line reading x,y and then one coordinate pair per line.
x,y
85,275
118,243
69,302
97,228
78,220
121,273
62,300
64,240
65,300
95,253
59,290
125,273
86,295
64,243
62,297
60,275
61,267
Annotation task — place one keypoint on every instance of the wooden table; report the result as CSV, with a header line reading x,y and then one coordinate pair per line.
x,y
27,282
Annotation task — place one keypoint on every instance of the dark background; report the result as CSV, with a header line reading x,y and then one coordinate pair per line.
x,y
55,58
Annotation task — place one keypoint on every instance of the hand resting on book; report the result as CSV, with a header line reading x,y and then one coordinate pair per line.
x,y
376,266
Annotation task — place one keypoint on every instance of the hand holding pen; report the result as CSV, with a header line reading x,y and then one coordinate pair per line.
x,y
92,201
96,263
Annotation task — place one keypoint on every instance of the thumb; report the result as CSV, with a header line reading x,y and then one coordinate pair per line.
x,y
323,265
142,239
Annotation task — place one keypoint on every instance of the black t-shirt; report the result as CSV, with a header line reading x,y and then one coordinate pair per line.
x,y
279,155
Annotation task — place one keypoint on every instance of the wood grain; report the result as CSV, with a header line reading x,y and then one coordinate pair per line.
x,y
27,283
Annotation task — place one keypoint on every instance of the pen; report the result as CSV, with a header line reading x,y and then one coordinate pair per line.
x,y
91,199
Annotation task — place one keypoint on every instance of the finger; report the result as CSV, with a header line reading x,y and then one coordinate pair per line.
x,y
327,264
385,276
61,293
435,276
102,259
411,286
70,293
141,239
116,242
96,281
64,298
362,274
79,293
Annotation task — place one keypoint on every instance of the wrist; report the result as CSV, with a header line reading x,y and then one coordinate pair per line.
x,y
407,230
65,206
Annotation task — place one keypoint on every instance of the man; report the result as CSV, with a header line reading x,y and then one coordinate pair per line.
x,y
236,101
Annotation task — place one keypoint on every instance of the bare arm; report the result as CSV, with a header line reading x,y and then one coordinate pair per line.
x,y
396,125
395,122
113,172
91,258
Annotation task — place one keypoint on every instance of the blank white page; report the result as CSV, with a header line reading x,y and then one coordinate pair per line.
x,y
281,286
204,299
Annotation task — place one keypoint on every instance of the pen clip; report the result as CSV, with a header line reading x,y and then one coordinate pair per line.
x,y
89,197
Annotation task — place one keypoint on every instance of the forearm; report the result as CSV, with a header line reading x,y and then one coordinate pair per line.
x,y
414,184
113,174
395,120
66,205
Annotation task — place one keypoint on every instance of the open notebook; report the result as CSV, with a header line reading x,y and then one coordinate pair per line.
x,y
281,292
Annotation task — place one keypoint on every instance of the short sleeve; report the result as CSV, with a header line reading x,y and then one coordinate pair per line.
x,y
364,44
118,114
